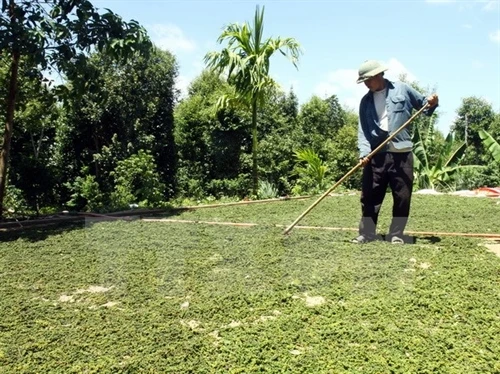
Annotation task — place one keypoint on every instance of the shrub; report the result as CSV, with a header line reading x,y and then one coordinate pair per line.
x,y
137,181
85,193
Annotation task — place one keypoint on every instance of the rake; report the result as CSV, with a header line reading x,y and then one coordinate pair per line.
x,y
356,167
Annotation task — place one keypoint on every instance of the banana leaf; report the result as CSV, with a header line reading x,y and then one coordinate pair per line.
x,y
490,144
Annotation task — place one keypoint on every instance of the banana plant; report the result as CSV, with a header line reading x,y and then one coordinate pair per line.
x,y
444,170
490,144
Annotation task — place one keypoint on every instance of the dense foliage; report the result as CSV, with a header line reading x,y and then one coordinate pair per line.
x,y
115,133
246,59
56,36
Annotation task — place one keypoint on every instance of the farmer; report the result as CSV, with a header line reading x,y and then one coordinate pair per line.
x,y
385,108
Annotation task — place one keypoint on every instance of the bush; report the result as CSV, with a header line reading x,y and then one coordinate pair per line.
x,y
85,194
14,202
137,181
470,179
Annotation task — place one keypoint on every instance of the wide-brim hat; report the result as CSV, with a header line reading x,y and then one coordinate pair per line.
x,y
369,69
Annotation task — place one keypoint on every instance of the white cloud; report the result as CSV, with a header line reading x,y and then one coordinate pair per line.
x,y
171,37
342,83
495,36
490,5
396,69
198,64
291,84
182,84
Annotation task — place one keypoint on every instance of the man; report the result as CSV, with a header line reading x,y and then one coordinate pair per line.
x,y
384,109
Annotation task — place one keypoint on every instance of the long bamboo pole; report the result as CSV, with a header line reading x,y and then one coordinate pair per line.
x,y
360,163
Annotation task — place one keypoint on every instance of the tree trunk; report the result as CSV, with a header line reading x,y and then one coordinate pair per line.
x,y
255,175
9,123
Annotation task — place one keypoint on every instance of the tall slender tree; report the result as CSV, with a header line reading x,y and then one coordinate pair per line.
x,y
246,61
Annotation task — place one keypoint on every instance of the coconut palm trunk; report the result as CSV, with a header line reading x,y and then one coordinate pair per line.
x,y
255,143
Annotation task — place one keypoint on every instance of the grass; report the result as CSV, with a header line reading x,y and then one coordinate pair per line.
x,y
154,297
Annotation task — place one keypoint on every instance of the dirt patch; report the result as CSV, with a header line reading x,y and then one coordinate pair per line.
x,y
266,318
66,299
494,247
192,324
91,289
94,289
312,301
233,324
109,304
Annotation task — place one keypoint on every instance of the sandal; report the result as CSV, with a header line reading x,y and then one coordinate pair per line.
x,y
361,240
397,240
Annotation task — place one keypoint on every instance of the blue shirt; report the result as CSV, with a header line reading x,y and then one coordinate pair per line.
x,y
400,101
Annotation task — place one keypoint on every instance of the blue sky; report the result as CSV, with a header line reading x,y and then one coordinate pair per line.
x,y
450,46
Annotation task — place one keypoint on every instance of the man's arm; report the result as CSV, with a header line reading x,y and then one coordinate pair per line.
x,y
363,143
418,100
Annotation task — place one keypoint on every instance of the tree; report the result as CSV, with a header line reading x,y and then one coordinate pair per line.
x,y
211,145
336,114
246,59
129,107
56,35
342,151
473,115
279,137
317,127
31,169
290,105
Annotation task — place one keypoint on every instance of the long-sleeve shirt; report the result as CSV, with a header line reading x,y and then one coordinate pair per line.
x,y
401,99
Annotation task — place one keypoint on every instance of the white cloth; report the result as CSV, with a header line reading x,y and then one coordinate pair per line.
x,y
381,108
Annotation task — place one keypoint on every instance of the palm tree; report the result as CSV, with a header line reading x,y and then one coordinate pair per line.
x,y
246,60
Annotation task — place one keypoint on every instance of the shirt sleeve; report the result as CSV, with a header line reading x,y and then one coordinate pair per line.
x,y
363,143
418,100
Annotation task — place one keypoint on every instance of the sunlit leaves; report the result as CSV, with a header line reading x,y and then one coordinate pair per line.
x,y
442,172
53,32
490,144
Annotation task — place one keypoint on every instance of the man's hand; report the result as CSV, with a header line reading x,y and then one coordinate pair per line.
x,y
433,100
364,161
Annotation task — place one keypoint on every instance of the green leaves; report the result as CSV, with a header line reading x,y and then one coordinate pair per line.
x,y
198,298
445,169
311,167
52,34
246,59
490,144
